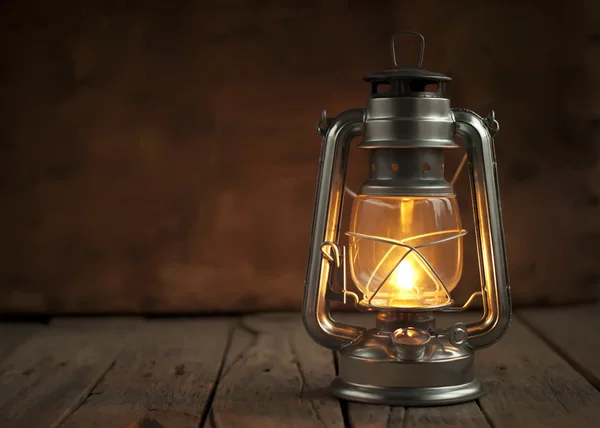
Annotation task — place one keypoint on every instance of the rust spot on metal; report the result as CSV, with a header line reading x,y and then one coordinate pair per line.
x,y
395,167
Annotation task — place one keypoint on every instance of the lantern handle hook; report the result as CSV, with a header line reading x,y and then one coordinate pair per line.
x,y
407,33
323,123
491,123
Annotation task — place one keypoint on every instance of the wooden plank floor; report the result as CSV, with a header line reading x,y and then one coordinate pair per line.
x,y
263,371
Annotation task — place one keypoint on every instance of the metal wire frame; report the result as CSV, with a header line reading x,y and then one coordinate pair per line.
x,y
339,260
332,253
466,305
457,234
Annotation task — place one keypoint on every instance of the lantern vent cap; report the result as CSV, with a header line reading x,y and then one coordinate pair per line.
x,y
406,73
415,77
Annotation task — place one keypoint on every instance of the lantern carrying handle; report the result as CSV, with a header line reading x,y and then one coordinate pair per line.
x,y
408,33
337,134
489,231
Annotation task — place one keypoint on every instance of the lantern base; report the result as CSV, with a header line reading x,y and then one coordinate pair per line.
x,y
410,396
370,371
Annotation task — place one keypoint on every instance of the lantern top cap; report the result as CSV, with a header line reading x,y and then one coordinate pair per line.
x,y
404,72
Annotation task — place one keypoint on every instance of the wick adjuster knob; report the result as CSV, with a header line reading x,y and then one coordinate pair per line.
x,y
410,343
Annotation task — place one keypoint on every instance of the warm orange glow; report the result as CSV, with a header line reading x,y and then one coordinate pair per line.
x,y
397,276
404,283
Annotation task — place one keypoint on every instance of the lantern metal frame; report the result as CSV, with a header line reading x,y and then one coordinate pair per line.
x,y
370,371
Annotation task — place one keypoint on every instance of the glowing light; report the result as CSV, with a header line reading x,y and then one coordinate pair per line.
x,y
404,277
388,276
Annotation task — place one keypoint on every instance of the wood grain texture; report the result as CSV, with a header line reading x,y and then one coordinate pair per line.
x,y
275,376
48,376
466,415
164,377
13,334
573,332
143,169
372,416
163,373
527,384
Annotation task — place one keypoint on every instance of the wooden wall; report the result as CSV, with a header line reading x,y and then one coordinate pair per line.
x,y
161,156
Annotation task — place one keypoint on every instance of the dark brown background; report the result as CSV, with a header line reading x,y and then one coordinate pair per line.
x,y
162,156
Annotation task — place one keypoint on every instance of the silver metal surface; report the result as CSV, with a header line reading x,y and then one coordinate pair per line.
x,y
390,321
409,396
323,124
330,190
458,335
404,122
410,343
395,124
414,33
491,123
344,273
466,305
370,371
489,231
377,346
402,172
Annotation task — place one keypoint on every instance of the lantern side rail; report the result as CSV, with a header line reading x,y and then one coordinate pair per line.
x,y
489,232
337,135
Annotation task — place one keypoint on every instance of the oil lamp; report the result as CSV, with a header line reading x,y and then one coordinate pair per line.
x,y
404,251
